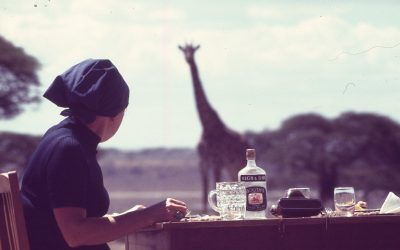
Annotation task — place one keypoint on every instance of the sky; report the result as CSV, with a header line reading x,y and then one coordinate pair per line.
x,y
261,62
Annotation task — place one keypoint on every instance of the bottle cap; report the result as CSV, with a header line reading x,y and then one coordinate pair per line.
x,y
250,154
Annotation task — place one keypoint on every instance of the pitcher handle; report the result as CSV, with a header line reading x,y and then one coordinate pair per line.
x,y
211,201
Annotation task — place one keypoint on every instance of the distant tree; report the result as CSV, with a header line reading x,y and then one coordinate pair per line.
x,y
15,150
18,79
372,150
306,137
360,148
374,136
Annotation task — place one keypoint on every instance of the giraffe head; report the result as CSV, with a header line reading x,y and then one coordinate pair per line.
x,y
189,50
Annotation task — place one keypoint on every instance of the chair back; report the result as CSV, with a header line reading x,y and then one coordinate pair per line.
x,y
13,234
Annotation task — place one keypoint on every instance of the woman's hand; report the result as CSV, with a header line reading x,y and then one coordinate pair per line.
x,y
168,210
78,229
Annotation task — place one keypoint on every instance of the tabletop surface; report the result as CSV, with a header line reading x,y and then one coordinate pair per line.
x,y
276,221
367,232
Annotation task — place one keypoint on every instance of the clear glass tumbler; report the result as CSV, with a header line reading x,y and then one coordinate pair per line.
x,y
345,200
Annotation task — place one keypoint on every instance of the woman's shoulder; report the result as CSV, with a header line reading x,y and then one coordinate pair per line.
x,y
60,138
69,136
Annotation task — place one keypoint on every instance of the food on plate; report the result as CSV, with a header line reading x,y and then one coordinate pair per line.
x,y
361,205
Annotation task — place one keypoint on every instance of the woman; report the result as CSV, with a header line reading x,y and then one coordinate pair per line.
x,y
64,199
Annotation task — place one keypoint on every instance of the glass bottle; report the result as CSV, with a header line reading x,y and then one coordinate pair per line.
x,y
255,180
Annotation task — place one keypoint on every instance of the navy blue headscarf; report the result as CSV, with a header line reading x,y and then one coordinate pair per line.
x,y
92,87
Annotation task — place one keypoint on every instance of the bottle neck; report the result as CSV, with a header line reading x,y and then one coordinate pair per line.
x,y
251,163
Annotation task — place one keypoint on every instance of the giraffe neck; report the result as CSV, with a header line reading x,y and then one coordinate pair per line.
x,y
209,118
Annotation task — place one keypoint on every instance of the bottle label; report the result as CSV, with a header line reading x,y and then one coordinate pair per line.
x,y
258,177
256,195
256,198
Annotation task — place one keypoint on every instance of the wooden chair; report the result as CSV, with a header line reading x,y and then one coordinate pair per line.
x,y
13,234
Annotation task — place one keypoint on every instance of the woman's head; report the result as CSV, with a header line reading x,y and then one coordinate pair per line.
x,y
89,89
106,127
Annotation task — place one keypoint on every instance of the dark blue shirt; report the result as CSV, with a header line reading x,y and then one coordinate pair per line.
x,y
63,172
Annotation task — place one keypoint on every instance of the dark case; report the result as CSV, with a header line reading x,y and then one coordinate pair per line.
x,y
299,207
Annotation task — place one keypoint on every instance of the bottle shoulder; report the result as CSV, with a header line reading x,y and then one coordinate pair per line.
x,y
252,170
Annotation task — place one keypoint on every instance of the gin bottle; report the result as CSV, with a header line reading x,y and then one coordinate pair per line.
x,y
255,180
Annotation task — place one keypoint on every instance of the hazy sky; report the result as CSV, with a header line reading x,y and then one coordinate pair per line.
x,y
260,61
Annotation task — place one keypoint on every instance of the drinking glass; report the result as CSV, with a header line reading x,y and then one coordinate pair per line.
x,y
345,200
231,200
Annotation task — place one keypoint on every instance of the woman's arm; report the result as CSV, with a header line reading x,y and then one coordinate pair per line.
x,y
78,229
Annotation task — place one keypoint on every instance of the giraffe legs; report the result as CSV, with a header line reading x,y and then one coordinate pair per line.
x,y
205,181
217,173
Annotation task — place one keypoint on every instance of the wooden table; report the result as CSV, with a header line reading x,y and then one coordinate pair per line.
x,y
370,232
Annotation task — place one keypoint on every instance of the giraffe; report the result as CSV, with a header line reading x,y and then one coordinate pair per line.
x,y
219,148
